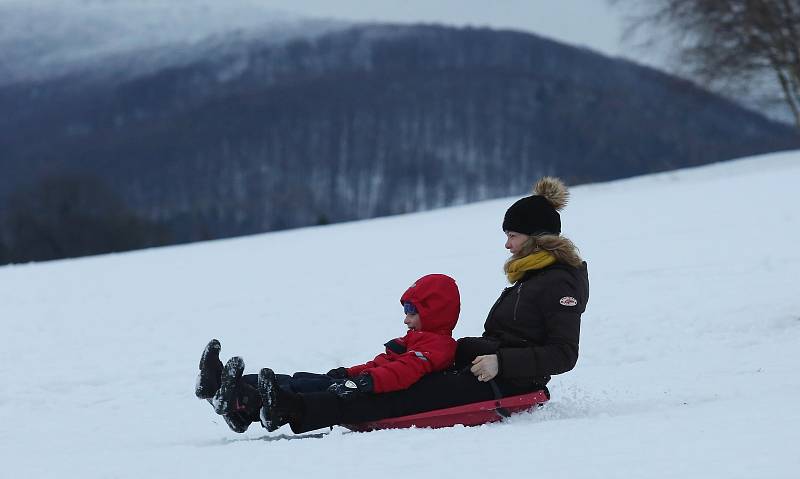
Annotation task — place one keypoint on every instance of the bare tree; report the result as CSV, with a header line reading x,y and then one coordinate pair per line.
x,y
726,42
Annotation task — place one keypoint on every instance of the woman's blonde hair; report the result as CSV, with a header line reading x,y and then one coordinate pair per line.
x,y
561,247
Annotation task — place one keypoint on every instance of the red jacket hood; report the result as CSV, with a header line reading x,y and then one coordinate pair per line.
x,y
437,301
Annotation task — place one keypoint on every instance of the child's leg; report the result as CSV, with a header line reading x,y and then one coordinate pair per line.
x,y
310,382
300,382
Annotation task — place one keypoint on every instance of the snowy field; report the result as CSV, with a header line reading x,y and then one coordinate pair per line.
x,y
689,353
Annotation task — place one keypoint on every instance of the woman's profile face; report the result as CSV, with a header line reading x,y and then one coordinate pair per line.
x,y
514,241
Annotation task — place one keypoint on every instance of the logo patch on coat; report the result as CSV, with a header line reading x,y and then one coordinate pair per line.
x,y
568,301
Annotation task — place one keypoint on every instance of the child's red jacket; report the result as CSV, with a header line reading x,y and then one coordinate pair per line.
x,y
430,349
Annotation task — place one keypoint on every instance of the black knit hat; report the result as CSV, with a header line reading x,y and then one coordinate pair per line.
x,y
532,215
538,214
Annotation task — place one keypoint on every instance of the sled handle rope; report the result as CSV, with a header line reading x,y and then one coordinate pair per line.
x,y
500,410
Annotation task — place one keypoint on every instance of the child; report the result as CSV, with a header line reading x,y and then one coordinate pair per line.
x,y
431,306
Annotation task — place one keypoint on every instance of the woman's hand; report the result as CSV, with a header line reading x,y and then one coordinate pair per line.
x,y
485,368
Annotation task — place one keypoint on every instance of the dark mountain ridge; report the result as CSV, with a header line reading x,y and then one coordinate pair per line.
x,y
368,121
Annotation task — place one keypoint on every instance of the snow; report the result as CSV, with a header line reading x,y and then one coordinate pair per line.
x,y
41,38
688,362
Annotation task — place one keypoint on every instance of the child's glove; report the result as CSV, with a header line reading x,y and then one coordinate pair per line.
x,y
337,373
349,388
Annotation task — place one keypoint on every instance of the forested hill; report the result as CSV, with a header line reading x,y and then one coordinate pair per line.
x,y
366,121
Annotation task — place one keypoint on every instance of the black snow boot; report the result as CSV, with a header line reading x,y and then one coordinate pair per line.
x,y
248,405
226,399
237,402
278,406
208,380
237,421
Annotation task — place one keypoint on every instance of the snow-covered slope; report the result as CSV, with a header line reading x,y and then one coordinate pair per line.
x,y
689,352
44,38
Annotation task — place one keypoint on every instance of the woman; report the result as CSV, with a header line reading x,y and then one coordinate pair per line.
x,y
531,333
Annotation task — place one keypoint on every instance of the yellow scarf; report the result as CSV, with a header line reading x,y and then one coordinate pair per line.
x,y
538,260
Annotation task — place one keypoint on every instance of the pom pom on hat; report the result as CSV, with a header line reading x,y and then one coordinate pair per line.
x,y
554,190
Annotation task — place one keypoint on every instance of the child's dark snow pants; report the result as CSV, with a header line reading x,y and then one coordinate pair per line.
x,y
297,383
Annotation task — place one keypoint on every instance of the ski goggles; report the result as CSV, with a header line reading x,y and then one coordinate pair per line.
x,y
409,308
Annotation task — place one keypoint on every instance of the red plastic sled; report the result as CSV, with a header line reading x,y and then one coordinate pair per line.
x,y
469,414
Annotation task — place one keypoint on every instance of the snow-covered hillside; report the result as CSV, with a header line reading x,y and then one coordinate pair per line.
x,y
44,38
57,31
689,352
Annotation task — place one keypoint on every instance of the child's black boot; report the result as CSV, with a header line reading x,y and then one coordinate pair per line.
x,y
226,399
278,406
208,380
247,406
